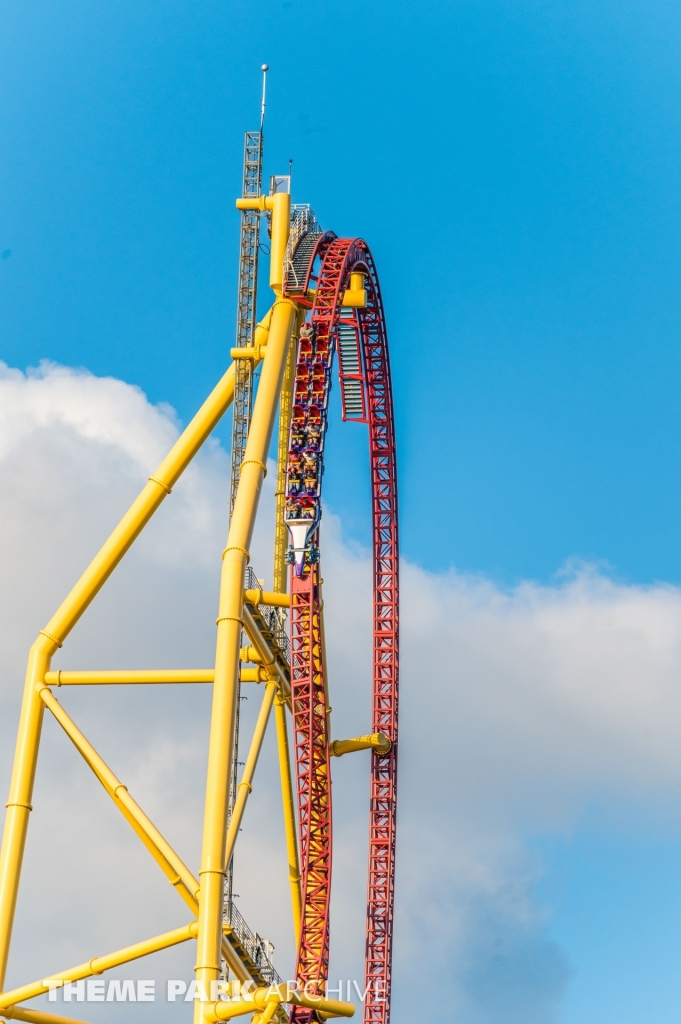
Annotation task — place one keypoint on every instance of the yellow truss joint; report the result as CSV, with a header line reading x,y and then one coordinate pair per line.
x,y
377,741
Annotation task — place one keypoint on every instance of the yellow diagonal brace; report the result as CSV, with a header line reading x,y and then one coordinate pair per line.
x,y
178,874
37,1016
175,870
61,624
99,964
246,784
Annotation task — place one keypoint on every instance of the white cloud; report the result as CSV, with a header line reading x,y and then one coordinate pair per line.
x,y
518,708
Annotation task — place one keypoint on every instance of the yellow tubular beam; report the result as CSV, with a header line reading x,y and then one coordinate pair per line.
x,y
246,784
289,813
255,352
377,741
280,576
277,600
268,1013
21,792
180,675
99,964
254,675
228,643
162,675
280,599
248,654
37,1016
261,998
56,631
280,205
177,873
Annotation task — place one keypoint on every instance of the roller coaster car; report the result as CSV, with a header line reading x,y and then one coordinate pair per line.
x,y
322,348
305,351
315,416
298,417
297,439
318,389
307,331
302,379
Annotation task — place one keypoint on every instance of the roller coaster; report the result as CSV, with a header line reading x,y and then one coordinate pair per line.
x,y
327,302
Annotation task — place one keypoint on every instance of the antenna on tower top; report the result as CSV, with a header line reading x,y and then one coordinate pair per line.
x,y
264,70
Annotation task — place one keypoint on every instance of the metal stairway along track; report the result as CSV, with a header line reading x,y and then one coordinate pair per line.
x,y
270,630
352,378
300,261
251,949
252,952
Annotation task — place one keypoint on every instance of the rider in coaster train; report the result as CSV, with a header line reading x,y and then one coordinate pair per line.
x,y
314,436
292,508
310,469
307,507
295,480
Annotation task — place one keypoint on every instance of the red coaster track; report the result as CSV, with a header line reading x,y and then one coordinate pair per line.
x,y
359,334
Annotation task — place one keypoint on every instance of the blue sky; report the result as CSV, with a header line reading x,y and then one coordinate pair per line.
x,y
515,168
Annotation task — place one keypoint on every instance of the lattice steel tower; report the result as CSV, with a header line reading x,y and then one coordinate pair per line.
x,y
247,297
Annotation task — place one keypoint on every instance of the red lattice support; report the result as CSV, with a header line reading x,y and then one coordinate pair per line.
x,y
340,258
313,782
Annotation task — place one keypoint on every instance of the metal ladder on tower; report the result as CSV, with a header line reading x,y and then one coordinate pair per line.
x,y
243,393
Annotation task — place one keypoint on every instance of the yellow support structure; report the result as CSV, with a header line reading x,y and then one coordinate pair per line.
x,y
232,614
128,677
36,1016
177,873
99,964
377,741
289,814
240,611
245,786
276,600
